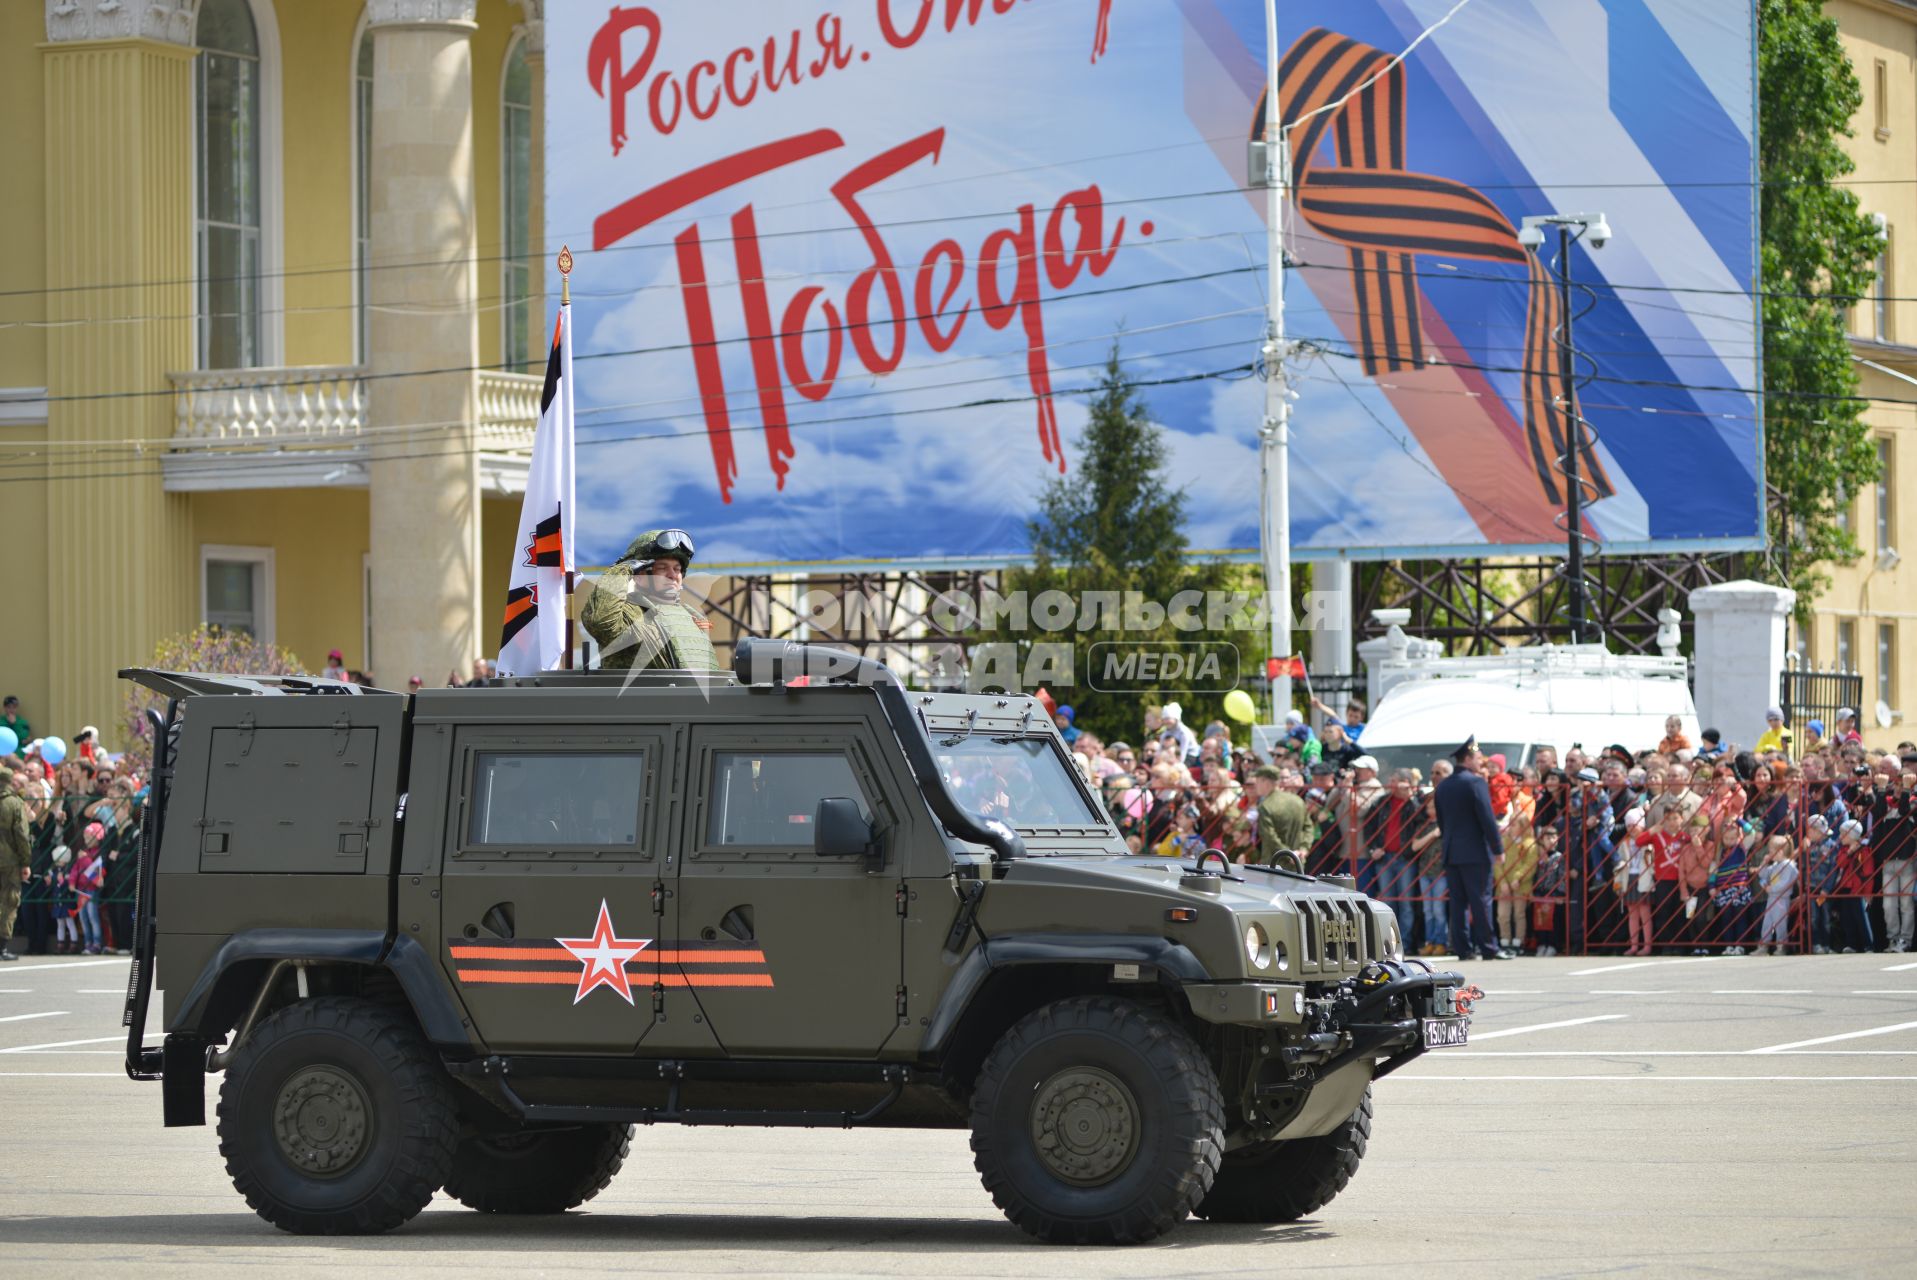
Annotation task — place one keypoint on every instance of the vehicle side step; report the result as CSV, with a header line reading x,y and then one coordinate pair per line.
x,y
491,1076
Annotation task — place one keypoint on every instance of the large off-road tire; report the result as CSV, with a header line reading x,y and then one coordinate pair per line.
x,y
1284,1181
1096,1121
335,1119
538,1170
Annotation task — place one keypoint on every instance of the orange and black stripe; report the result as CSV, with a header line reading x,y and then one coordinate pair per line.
x,y
543,962
547,550
522,606
1384,215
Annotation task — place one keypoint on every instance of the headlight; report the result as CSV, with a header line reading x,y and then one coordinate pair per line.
x,y
1394,941
1257,946
1283,956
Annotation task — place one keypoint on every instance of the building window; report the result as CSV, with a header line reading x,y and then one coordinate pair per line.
x,y
1886,525
1846,645
362,186
1840,496
236,590
1881,103
1887,663
517,260
1881,328
227,108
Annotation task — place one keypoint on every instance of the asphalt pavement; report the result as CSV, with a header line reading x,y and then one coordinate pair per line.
x,y
1749,1116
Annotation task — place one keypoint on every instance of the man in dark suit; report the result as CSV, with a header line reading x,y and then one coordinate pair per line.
x,y
1472,845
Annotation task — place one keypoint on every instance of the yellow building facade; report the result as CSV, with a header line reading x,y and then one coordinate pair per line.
x,y
239,234
1867,620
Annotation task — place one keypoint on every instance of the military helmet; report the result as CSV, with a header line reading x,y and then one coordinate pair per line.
x,y
654,543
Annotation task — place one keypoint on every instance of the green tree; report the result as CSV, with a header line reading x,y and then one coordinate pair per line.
x,y
1113,524
1818,259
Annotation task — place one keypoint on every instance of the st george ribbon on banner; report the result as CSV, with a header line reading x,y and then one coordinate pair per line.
x,y
534,636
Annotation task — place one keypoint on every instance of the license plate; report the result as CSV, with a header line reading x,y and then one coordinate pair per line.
x,y
1444,1033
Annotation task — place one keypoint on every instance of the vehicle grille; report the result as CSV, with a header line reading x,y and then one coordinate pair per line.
x,y
1338,935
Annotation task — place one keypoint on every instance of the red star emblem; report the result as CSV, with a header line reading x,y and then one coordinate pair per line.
x,y
603,957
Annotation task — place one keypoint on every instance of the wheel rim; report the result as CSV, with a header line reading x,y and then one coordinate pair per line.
x,y
322,1121
1085,1126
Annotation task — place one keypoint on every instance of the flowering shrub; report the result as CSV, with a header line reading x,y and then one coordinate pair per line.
x,y
208,650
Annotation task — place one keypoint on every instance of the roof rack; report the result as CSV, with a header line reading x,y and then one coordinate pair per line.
x,y
190,684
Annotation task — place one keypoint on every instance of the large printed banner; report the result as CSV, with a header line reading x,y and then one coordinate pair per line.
x,y
847,270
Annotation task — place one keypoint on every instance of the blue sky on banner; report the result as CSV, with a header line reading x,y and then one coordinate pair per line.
x,y
925,441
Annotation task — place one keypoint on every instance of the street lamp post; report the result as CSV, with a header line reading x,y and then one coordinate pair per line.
x,y
1571,227
1275,432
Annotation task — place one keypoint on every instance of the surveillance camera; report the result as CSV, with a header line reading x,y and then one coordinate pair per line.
x,y
1598,233
1531,237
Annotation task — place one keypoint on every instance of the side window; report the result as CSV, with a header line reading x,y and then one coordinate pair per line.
x,y
555,799
765,799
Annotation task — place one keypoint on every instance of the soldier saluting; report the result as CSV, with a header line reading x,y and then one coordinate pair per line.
x,y
637,614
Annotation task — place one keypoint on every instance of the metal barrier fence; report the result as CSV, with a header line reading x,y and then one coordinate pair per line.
x,y
1741,865
1711,883
49,895
1804,696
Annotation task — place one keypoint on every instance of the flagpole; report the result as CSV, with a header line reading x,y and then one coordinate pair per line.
x,y
565,301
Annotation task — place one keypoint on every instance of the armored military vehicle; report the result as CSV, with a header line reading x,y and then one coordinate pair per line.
x,y
467,939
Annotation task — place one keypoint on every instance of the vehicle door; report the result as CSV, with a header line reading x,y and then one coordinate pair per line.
x,y
552,885
788,952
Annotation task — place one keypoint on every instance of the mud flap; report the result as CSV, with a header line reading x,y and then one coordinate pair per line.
x,y
183,1082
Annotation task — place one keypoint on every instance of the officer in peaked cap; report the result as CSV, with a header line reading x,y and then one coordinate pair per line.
x,y
637,614
1472,846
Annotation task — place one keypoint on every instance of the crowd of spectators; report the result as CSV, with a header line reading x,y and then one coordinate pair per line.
x,y
1670,847
1790,845
82,816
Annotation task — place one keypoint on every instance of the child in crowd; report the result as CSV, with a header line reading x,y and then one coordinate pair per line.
x,y
1636,881
85,879
1501,784
1820,879
1183,841
1853,885
60,900
1514,877
1694,863
1547,912
1778,876
1667,845
1730,886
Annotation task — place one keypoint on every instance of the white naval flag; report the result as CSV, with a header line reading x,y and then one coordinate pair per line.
x,y
534,636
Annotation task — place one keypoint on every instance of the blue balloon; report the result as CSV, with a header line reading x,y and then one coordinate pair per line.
x,y
9,741
53,750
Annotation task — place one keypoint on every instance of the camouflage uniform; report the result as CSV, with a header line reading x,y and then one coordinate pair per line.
x,y
651,633
16,854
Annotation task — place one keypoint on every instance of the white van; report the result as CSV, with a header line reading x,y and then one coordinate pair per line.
x,y
1524,698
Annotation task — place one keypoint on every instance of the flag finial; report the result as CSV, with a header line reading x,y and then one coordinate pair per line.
x,y
565,275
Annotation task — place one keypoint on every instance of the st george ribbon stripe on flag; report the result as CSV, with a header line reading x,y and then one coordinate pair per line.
x,y
533,629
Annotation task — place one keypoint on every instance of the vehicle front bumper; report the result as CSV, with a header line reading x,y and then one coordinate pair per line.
x,y
1393,1010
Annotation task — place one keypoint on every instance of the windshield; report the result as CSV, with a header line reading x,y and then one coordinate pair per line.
x,y
1020,781
1419,755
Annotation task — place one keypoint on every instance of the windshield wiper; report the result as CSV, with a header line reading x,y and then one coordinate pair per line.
x,y
971,722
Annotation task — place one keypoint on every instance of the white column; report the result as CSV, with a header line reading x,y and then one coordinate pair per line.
x,y
1330,615
1738,654
427,614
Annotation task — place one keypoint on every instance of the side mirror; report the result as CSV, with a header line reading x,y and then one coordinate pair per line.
x,y
839,830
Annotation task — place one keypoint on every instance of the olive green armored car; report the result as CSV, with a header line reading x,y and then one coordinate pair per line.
x,y
465,940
